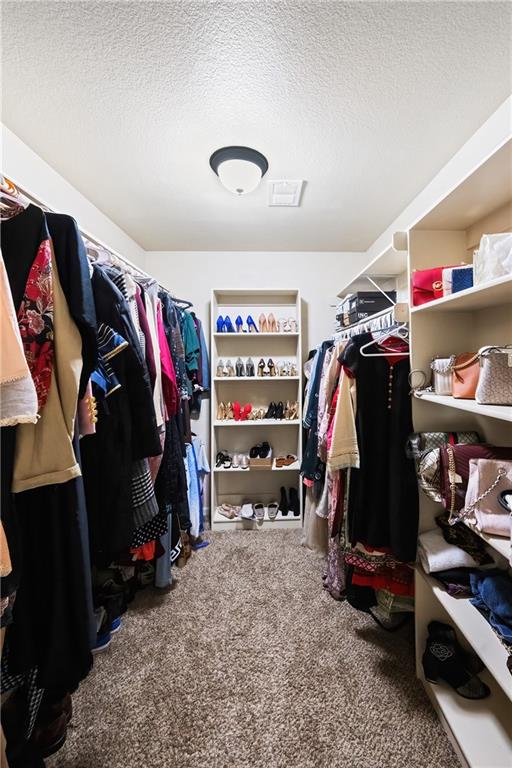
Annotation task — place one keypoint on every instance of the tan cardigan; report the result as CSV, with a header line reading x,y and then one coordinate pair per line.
x,y
344,450
44,451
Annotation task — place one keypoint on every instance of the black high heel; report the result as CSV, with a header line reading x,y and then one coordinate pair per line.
x,y
279,412
271,367
294,502
283,503
271,412
239,366
249,367
261,367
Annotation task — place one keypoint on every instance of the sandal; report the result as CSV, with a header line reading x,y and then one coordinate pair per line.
x,y
286,461
293,327
281,324
247,512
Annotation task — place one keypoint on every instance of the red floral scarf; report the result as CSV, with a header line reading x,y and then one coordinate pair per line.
x,y
35,319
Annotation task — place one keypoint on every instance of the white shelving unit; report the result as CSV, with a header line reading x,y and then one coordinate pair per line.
x,y
480,731
236,486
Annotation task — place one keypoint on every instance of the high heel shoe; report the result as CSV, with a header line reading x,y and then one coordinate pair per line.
x,y
293,412
249,367
293,326
245,412
271,367
279,412
271,411
221,411
228,369
220,368
272,325
239,324
251,325
262,320
220,324
239,366
237,410
227,326
293,370
281,324
229,412
261,367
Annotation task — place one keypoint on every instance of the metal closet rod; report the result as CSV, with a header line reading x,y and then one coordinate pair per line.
x,y
90,239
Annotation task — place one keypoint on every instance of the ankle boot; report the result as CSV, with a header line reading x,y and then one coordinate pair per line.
x,y
294,502
283,504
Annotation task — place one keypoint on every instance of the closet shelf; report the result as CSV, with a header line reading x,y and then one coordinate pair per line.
x,y
295,467
502,412
477,632
288,521
491,294
255,335
256,378
257,423
500,543
388,265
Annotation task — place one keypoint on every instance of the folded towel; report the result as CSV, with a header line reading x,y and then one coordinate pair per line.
x,y
436,554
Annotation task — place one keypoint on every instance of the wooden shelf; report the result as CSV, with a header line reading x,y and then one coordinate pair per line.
x,y
502,412
492,294
256,378
295,467
258,423
500,543
477,631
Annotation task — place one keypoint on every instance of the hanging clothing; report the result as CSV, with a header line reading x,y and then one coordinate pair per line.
x,y
383,502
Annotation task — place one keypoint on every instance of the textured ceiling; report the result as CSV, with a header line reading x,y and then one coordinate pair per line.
x,y
366,101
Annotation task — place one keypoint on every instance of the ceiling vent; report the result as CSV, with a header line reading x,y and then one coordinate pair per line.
x,y
285,193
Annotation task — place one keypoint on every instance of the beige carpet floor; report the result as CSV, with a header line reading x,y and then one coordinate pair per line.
x,y
248,663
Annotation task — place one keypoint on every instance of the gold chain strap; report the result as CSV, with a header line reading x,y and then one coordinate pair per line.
x,y
452,474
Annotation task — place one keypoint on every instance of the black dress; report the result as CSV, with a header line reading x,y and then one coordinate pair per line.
x,y
383,497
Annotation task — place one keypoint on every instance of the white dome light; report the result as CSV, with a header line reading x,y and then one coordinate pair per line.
x,y
240,169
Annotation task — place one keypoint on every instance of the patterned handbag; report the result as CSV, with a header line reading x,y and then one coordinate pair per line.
x,y
462,278
424,448
495,379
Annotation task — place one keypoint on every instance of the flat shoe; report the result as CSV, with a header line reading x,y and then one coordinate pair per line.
x,y
272,510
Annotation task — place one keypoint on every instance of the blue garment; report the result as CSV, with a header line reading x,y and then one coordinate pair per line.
x,y
163,574
312,468
205,363
493,598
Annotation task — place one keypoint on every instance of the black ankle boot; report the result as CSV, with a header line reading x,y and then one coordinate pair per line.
x,y
294,502
283,504
442,660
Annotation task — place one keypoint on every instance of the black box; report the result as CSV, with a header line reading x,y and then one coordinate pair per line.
x,y
371,302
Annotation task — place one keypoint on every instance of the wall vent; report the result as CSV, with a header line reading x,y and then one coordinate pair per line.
x,y
285,193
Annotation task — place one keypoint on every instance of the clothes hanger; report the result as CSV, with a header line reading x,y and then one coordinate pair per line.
x,y
389,332
12,202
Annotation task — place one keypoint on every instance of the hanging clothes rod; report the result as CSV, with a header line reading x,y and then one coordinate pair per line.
x,y
94,241
398,313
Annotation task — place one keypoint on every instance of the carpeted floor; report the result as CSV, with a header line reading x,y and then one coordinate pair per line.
x,y
249,664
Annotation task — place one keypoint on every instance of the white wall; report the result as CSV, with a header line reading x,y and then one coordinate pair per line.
x,y
21,164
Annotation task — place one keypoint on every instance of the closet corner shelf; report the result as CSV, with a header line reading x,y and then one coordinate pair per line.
x,y
388,264
256,378
500,543
256,423
491,294
502,412
477,631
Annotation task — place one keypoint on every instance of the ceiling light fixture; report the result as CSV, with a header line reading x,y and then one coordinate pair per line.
x,y
240,169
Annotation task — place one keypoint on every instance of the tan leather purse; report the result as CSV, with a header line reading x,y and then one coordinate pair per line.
x,y
465,373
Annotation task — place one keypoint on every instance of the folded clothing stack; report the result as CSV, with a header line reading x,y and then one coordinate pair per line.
x,y
436,554
492,592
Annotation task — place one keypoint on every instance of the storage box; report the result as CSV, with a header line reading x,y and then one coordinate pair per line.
x,y
260,463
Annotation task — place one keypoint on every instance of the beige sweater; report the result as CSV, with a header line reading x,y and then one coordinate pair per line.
x,y
44,451
344,450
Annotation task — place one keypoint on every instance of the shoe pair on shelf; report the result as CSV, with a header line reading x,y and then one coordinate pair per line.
x,y
444,659
261,451
283,325
279,411
239,369
233,411
237,461
290,502
286,461
224,325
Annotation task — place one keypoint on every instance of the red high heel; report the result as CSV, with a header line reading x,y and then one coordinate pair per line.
x,y
245,412
237,411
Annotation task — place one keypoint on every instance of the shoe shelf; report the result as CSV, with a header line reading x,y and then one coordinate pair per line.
x,y
256,378
448,233
246,485
502,412
476,630
257,423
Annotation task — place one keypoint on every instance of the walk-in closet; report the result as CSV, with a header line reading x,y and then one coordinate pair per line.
x,y
256,384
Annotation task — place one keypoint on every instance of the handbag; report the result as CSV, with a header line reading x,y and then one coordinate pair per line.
x,y
446,279
462,278
495,379
487,477
442,375
493,258
454,470
427,284
424,448
465,374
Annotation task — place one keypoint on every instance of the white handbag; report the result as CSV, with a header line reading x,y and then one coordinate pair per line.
x,y
493,258
447,281
442,376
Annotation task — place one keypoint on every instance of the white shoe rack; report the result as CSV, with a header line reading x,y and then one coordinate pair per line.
x,y
285,436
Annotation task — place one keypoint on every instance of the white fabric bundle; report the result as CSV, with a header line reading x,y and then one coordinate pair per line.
x,y
435,554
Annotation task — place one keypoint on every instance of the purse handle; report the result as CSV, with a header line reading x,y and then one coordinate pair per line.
x,y
452,474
